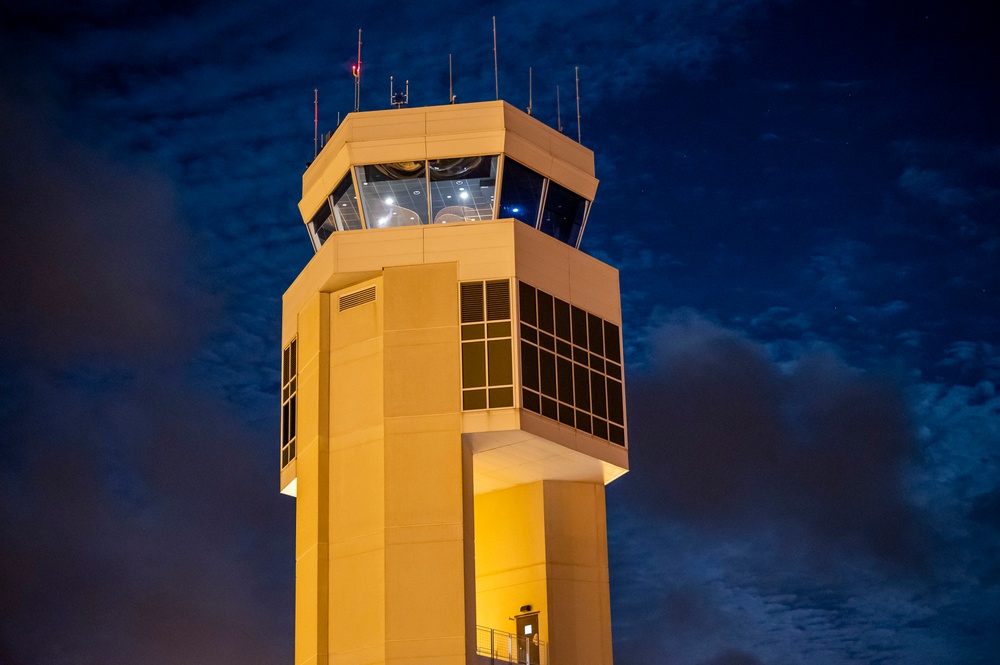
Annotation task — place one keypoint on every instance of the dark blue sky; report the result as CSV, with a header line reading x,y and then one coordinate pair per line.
x,y
803,199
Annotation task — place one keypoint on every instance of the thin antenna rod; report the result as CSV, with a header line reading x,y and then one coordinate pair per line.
x,y
558,112
529,90
399,99
338,118
315,122
451,92
578,140
356,69
496,74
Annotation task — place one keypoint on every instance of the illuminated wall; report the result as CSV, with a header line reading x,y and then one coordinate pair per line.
x,y
452,393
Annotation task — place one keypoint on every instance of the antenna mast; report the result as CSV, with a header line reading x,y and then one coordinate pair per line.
x,y
399,99
529,90
578,140
451,94
496,75
356,69
315,122
558,112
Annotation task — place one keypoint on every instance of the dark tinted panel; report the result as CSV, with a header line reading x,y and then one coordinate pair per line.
x,y
474,399
547,373
562,320
501,397
520,193
500,362
566,415
527,299
532,401
579,327
473,364
616,408
546,320
598,397
564,369
595,329
562,217
498,329
550,409
581,380
616,434
529,366
612,347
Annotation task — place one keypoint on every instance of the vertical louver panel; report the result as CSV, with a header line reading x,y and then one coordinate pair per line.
x,y
472,302
497,300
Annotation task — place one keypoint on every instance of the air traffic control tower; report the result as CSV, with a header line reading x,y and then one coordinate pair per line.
x,y
452,396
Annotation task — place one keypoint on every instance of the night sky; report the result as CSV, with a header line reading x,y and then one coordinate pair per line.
x,y
803,199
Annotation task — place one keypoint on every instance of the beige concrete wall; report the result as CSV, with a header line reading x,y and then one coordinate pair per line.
x,y
544,544
426,560
384,561
355,602
510,556
312,537
577,573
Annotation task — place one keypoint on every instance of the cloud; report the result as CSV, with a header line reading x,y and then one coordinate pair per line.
x,y
141,518
722,435
94,258
932,186
141,525
734,657
969,362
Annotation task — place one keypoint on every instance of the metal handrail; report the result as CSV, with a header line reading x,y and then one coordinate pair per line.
x,y
503,647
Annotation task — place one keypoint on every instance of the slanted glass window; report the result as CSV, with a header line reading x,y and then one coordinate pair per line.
x,y
520,193
338,213
487,357
289,374
393,194
462,188
562,217
321,225
344,201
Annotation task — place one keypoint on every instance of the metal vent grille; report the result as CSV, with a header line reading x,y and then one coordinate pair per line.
x,y
357,298
472,302
497,300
